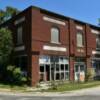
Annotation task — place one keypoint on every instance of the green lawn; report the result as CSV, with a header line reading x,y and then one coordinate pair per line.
x,y
59,88
12,87
72,86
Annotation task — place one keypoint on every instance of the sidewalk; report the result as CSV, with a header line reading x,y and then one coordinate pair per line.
x,y
89,91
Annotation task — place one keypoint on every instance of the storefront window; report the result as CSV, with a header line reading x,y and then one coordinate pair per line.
x,y
66,67
62,67
66,75
44,59
57,68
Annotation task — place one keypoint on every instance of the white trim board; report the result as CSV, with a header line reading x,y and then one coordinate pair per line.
x,y
54,48
54,20
19,48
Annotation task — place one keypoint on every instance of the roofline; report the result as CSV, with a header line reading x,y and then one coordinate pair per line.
x,y
54,13
66,17
30,7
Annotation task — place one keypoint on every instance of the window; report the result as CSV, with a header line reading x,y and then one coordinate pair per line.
x,y
55,35
98,42
19,35
57,69
80,41
21,61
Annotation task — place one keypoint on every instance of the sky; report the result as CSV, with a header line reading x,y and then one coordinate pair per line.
x,y
84,10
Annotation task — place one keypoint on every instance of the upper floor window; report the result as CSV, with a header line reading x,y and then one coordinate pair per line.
x,y
55,35
98,41
19,35
80,41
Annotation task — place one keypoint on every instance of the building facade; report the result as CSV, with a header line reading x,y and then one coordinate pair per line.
x,y
53,47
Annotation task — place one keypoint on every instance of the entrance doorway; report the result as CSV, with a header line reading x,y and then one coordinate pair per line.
x,y
79,72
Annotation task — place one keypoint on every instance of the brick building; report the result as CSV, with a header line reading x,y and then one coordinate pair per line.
x,y
49,46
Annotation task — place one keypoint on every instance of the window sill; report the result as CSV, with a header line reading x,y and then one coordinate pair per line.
x,y
19,44
55,42
80,46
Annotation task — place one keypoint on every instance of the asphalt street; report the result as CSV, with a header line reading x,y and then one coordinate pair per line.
x,y
50,98
84,94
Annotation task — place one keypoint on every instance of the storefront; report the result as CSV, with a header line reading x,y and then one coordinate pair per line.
x,y
96,66
54,68
79,69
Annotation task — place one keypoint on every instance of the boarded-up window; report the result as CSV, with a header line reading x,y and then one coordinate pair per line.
x,y
80,41
55,35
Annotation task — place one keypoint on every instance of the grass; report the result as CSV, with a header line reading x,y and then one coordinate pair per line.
x,y
55,88
73,86
12,87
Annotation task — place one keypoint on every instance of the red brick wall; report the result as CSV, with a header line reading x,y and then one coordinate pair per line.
x,y
37,33
35,70
41,34
91,40
91,44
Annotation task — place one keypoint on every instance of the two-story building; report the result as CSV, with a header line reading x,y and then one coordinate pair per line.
x,y
52,47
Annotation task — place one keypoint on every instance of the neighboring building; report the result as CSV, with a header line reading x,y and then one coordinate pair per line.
x,y
49,46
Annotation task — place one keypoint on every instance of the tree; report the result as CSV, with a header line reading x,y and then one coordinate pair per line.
x,y
8,13
6,45
1,16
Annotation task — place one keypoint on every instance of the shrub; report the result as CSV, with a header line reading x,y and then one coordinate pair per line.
x,y
15,75
89,74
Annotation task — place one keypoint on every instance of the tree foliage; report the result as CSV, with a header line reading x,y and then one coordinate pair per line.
x,y
7,13
6,45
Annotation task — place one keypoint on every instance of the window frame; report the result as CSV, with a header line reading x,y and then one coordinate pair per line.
x,y
97,41
17,35
80,32
52,41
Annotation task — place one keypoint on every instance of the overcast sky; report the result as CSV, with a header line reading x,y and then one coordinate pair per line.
x,y
84,10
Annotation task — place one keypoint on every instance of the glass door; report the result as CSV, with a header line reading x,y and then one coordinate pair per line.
x,y
79,72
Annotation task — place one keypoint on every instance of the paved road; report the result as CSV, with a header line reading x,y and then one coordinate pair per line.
x,y
50,98
85,94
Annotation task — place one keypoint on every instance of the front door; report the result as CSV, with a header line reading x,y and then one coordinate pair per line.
x,y
79,72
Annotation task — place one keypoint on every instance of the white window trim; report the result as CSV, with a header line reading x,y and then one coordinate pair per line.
x,y
95,52
55,42
20,48
19,20
54,48
79,27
